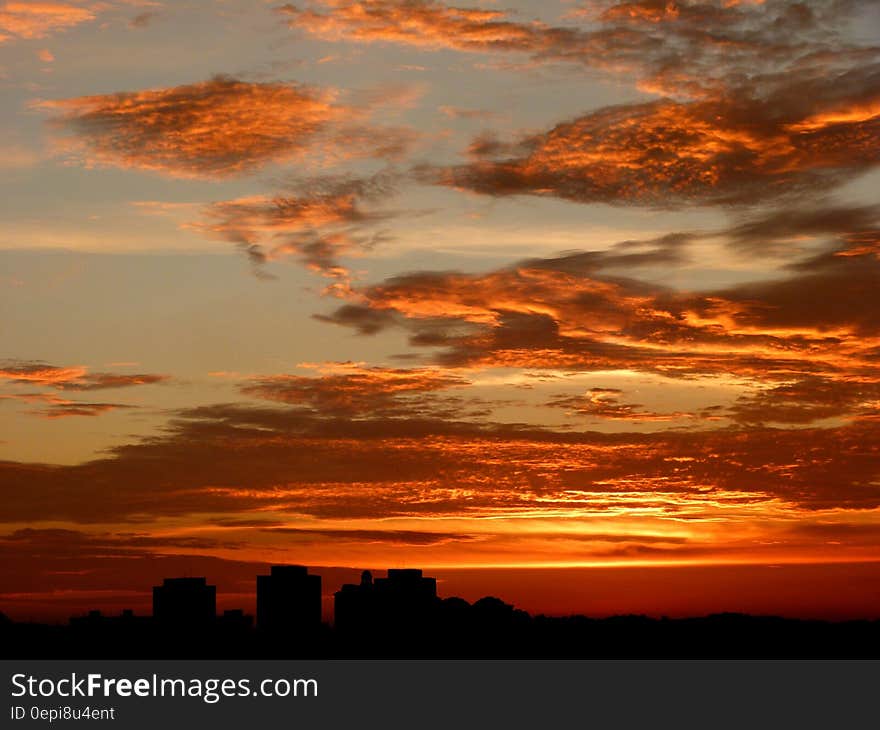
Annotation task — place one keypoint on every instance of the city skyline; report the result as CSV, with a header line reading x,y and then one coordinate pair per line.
x,y
402,615
501,290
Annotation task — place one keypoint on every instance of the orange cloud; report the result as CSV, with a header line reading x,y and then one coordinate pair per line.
x,y
42,374
56,407
35,19
669,154
455,112
271,462
73,378
653,11
604,403
852,113
71,408
812,332
703,45
419,23
808,399
358,391
220,127
804,125
318,221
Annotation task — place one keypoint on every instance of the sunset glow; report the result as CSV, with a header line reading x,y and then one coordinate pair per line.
x,y
580,299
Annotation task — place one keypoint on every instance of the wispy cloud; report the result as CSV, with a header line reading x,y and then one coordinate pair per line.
x,y
28,20
72,378
316,219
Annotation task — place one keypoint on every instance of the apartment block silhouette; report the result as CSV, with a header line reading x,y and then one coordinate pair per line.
x,y
289,600
185,603
403,601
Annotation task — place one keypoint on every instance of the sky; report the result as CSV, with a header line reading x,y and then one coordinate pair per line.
x,y
574,303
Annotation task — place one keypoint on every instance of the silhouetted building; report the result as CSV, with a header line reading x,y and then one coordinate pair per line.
x,y
400,615
235,620
185,603
289,600
97,621
400,603
354,606
407,585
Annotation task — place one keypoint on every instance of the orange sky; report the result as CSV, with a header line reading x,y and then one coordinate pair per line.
x,y
493,291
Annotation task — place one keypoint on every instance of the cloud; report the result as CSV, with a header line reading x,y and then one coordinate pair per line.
x,y
237,461
121,542
351,390
318,220
409,538
830,296
56,407
668,154
72,378
221,127
429,24
807,400
848,227
651,11
66,410
698,45
365,320
455,112
34,19
52,574
760,101
143,20
604,403
587,311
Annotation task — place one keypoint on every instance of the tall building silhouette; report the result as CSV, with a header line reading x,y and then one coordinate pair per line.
x,y
354,606
185,603
289,600
407,585
400,603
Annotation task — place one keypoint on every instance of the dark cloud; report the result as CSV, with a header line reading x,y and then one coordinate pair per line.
x,y
834,297
846,227
71,408
365,320
142,20
807,400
